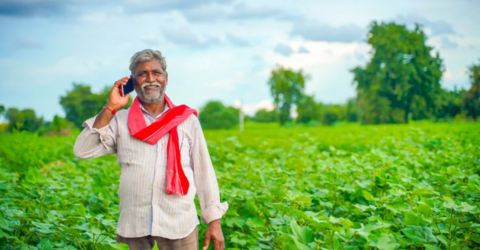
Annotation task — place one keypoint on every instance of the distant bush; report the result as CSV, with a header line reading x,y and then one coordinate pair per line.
x,y
214,115
263,115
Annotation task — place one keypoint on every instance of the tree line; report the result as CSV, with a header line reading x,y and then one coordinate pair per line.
x,y
80,103
401,82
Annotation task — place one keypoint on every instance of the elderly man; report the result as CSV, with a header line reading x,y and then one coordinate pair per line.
x,y
164,159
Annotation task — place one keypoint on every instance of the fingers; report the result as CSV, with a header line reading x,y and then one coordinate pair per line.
x,y
122,81
207,242
219,244
216,245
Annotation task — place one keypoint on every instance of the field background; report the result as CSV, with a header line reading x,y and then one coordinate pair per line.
x,y
413,186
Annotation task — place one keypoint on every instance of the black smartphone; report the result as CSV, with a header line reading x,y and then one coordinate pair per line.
x,y
127,88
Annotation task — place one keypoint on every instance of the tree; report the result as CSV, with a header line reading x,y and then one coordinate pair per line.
x,y
287,89
2,109
214,115
471,101
15,119
333,113
308,110
263,115
402,76
32,123
351,110
80,103
23,120
450,104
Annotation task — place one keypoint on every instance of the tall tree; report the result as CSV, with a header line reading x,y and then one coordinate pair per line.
x,y
80,103
472,97
287,89
402,75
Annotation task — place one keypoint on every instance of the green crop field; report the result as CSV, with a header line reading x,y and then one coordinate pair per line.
x,y
411,186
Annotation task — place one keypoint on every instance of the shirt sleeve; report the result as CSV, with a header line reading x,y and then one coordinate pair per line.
x,y
205,179
93,142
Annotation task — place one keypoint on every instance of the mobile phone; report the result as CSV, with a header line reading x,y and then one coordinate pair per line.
x,y
127,88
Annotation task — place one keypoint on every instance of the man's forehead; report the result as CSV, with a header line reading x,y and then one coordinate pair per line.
x,y
149,65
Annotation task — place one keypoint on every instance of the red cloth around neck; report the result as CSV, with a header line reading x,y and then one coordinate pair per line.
x,y
177,182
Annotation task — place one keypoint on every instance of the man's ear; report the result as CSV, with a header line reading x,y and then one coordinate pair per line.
x,y
166,78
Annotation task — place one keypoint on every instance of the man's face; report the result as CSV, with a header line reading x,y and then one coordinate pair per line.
x,y
150,81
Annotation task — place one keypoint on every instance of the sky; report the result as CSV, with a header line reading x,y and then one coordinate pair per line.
x,y
215,49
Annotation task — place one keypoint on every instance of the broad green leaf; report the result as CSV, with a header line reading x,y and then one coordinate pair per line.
x,y
411,218
467,208
368,196
419,234
385,243
424,208
448,202
299,245
121,246
238,241
304,235
431,247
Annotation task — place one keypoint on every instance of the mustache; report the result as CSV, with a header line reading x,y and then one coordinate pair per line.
x,y
147,84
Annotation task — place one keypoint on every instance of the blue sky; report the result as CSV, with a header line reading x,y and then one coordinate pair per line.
x,y
222,50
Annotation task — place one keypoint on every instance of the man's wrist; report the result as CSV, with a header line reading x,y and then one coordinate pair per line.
x,y
111,106
215,222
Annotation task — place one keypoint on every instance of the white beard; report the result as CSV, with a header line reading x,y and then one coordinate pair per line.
x,y
146,97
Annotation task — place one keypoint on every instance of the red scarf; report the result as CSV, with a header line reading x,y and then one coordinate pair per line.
x,y
177,182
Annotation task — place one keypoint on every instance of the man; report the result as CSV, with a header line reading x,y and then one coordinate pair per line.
x,y
164,159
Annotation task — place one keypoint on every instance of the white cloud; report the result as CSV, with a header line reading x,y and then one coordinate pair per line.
x,y
252,108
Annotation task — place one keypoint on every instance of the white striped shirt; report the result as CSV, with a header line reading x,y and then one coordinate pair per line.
x,y
145,207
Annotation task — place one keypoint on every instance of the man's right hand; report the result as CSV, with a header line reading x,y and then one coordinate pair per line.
x,y
116,101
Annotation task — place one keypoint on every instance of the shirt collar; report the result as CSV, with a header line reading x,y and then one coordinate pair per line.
x,y
146,112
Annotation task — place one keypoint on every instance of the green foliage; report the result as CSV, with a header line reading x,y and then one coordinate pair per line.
x,y
411,186
287,89
23,120
333,113
80,103
58,126
214,115
308,110
450,104
352,110
471,101
263,115
400,79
